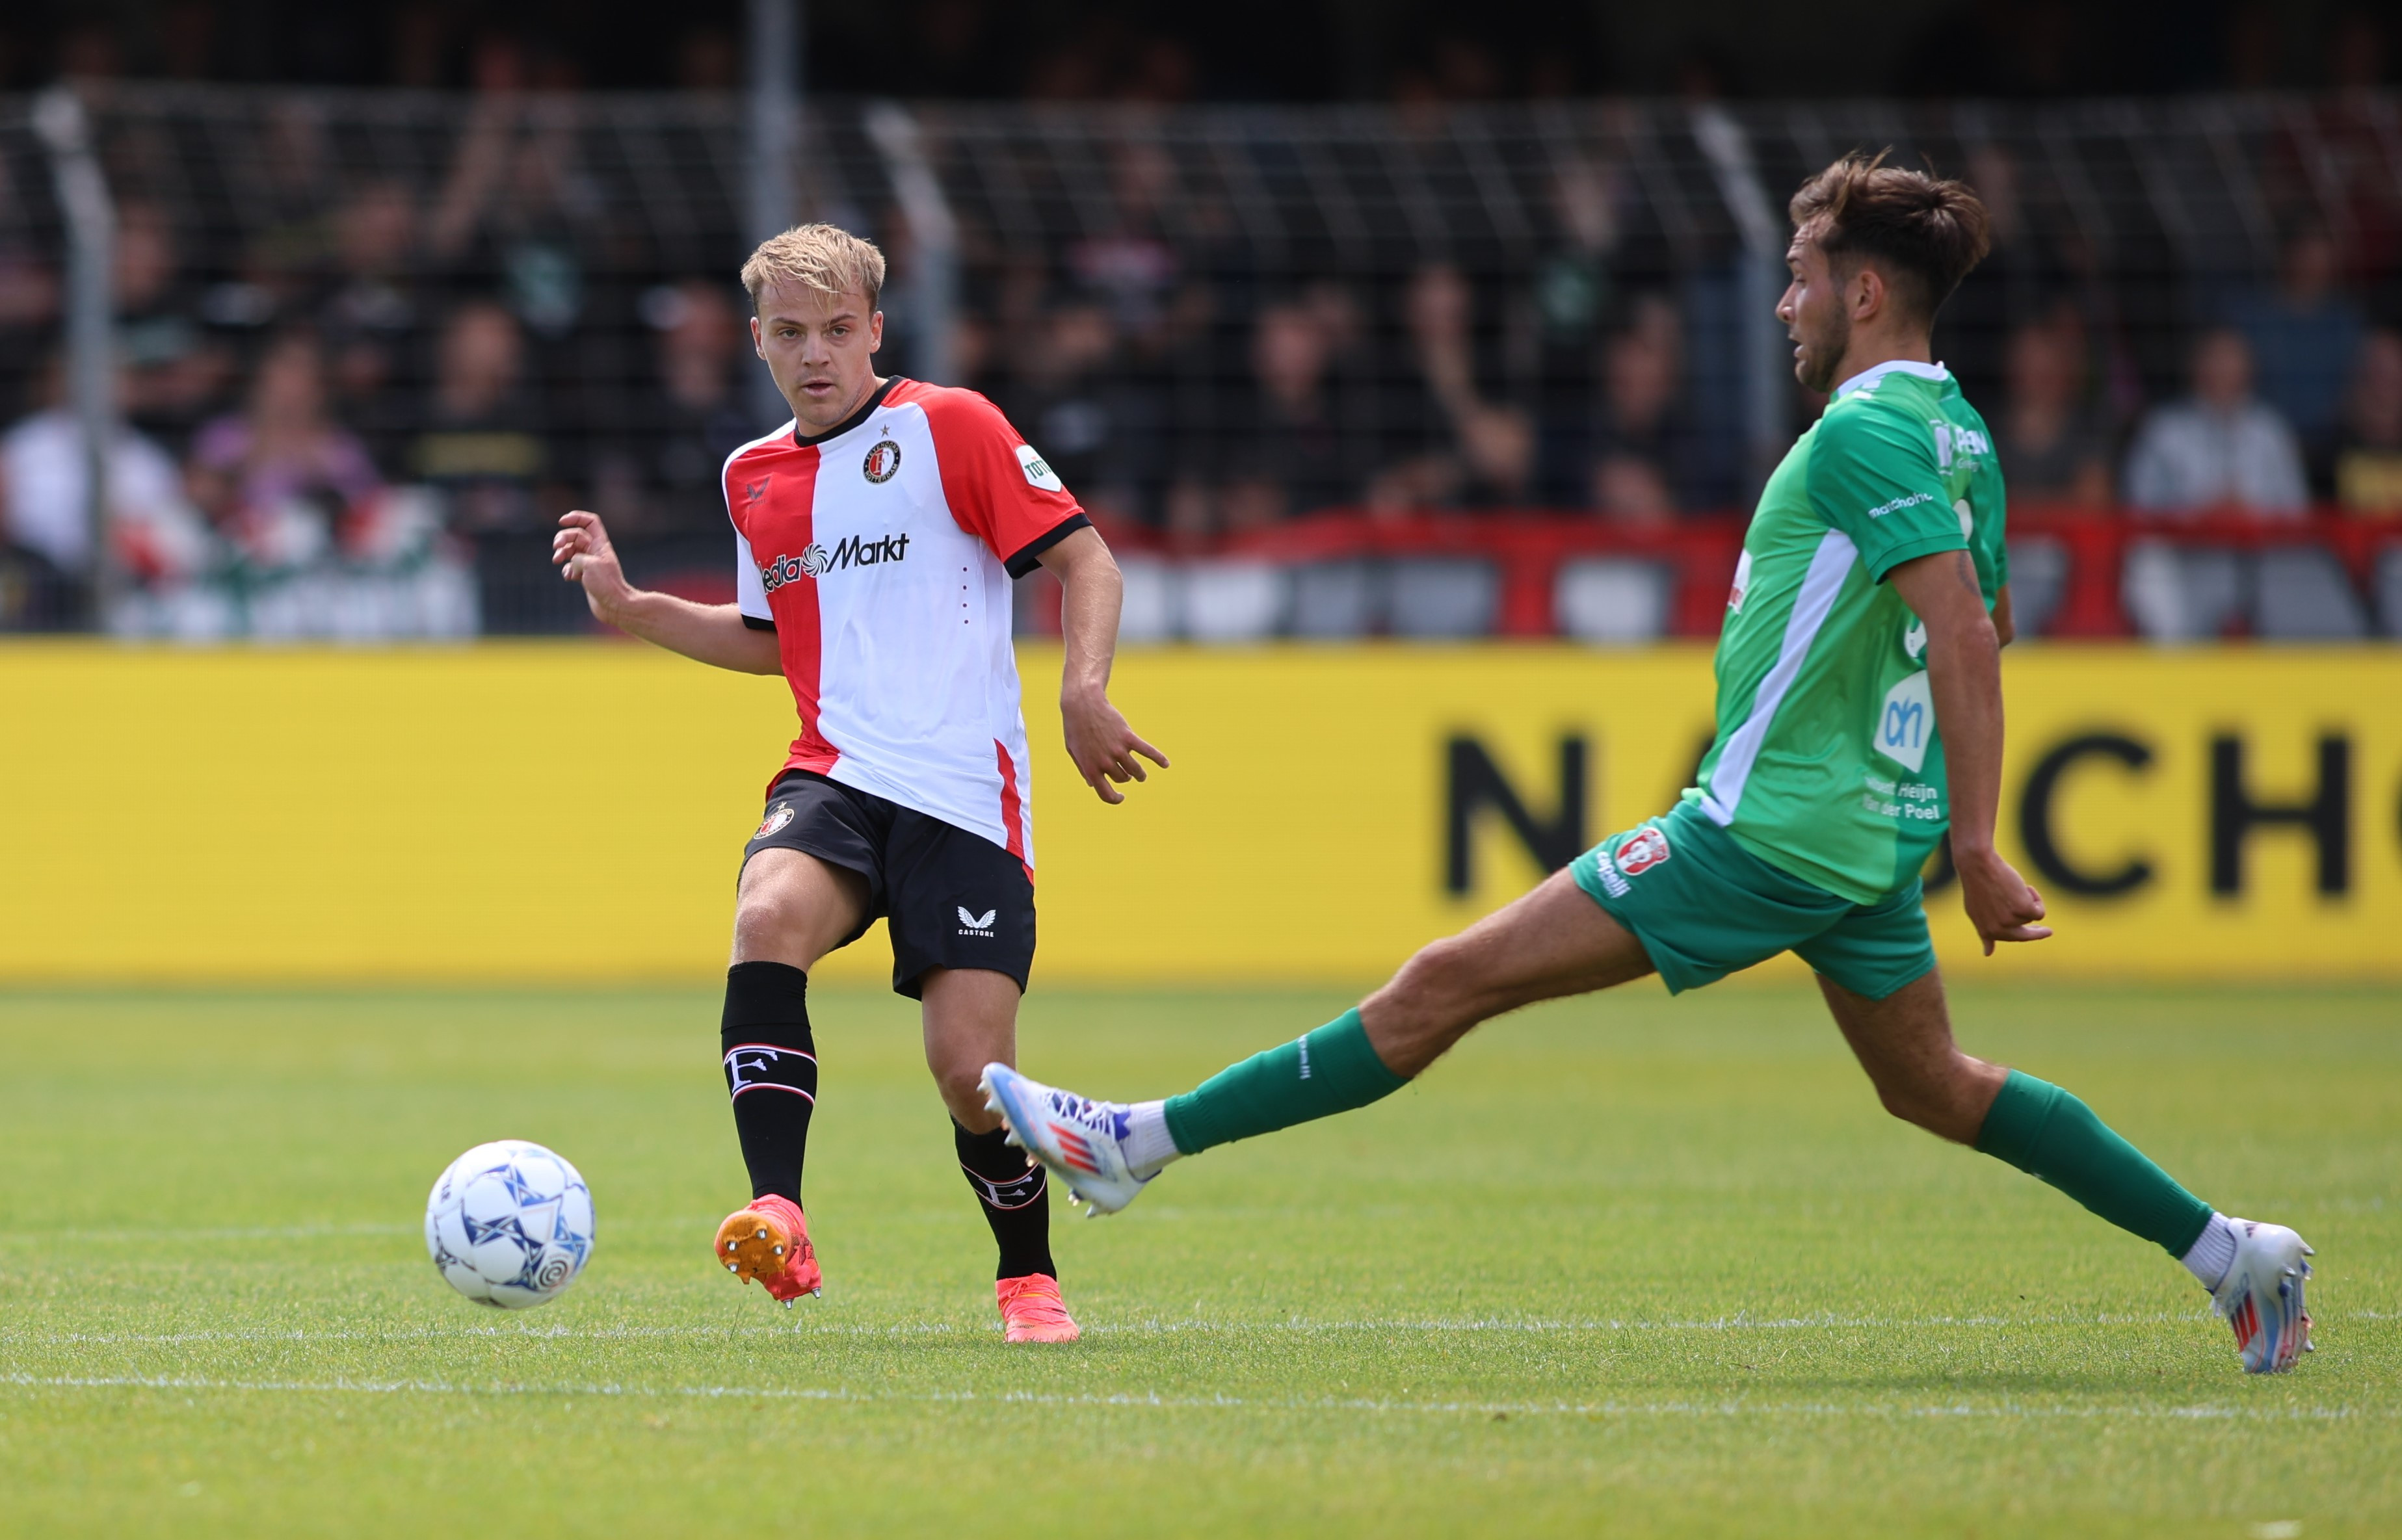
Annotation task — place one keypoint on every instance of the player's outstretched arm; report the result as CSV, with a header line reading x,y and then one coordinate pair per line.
x,y
1964,668
711,633
1105,749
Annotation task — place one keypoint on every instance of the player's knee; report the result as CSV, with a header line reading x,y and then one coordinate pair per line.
x,y
1437,979
1904,1101
959,1085
763,916
1942,1101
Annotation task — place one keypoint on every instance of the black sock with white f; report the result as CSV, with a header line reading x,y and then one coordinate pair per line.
x,y
1016,1200
771,1071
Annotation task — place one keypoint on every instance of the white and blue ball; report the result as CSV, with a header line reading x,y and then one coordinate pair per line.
x,y
509,1224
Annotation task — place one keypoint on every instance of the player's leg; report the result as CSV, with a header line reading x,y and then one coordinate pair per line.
x,y
1904,1043
962,917
790,910
795,902
1550,942
1554,941
971,1017
1902,1036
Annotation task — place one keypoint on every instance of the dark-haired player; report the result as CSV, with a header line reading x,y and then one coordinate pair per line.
x,y
1868,611
875,535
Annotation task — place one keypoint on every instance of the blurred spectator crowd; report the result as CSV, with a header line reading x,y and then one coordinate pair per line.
x,y
358,387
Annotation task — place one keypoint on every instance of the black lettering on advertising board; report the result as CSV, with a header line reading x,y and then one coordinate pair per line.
x,y
1472,782
2324,815
2042,842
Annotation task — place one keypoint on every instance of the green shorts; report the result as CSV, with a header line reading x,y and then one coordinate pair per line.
x,y
1705,907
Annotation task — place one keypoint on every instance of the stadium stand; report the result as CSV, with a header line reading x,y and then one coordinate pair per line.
x,y
1319,372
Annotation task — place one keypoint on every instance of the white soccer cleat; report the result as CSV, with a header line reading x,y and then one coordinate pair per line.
x,y
2261,1296
1081,1140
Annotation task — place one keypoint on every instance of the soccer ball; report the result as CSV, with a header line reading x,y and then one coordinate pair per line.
x,y
509,1224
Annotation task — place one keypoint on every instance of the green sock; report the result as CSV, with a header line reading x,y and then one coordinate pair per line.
x,y
2048,1134
1332,1069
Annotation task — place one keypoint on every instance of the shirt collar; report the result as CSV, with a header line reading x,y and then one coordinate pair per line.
x,y
875,399
1875,372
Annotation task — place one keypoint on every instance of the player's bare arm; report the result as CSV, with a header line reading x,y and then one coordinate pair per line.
x,y
1964,668
714,634
1106,750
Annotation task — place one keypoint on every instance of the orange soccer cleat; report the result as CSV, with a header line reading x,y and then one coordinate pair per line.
x,y
769,1241
1031,1310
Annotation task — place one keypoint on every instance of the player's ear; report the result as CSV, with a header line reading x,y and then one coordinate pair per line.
x,y
875,330
1868,292
758,343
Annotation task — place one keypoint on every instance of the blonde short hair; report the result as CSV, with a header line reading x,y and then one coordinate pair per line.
x,y
823,259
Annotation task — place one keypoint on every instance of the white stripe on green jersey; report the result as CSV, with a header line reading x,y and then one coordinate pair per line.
x,y
1826,763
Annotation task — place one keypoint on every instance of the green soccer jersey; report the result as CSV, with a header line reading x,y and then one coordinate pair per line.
x,y
1826,764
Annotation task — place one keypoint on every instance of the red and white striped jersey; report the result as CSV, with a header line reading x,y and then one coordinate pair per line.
x,y
882,554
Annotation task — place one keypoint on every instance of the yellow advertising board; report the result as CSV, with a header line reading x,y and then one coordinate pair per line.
x,y
573,811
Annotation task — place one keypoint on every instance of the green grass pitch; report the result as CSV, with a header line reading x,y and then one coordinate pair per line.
x,y
1622,1266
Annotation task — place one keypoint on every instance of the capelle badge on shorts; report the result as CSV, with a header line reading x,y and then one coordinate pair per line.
x,y
1642,850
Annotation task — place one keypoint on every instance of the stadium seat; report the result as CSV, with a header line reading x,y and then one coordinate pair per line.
x,y
1442,597
2038,580
1614,602
2181,594
1150,613
2304,596
2388,584
1334,600
1234,602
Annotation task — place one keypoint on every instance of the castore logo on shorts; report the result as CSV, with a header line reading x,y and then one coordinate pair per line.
x,y
815,560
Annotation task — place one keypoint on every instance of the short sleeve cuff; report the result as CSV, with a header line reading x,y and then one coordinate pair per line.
x,y
1910,550
758,624
1030,556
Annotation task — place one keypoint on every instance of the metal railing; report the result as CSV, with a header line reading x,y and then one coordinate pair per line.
x,y
1213,320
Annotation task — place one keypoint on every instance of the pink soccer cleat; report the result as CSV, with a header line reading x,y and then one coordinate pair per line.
x,y
1031,1310
769,1241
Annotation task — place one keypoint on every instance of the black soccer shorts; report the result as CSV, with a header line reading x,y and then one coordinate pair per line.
x,y
954,900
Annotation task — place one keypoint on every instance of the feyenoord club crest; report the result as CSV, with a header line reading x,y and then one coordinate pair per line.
x,y
778,815
1642,850
882,461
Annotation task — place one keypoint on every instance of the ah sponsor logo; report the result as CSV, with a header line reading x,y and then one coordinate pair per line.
x,y
1642,850
1905,724
977,925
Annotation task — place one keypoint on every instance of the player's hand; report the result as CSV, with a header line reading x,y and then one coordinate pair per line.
x,y
1999,903
1105,749
582,553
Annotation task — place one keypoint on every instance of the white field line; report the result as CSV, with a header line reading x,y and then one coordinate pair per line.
x,y
224,1232
1889,1411
1130,1328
